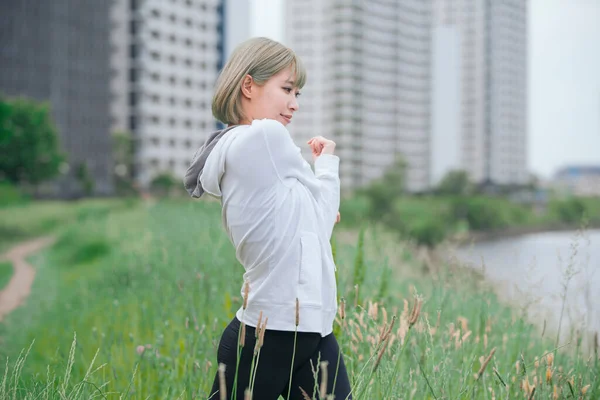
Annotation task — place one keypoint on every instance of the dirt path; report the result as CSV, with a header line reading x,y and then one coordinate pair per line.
x,y
19,286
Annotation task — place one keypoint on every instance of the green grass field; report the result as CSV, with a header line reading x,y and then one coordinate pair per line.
x,y
6,272
125,276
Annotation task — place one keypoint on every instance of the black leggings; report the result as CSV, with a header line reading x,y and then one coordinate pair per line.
x,y
273,371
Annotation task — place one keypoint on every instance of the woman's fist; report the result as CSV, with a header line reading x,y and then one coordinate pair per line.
x,y
319,145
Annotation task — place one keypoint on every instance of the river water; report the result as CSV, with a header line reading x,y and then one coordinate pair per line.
x,y
531,271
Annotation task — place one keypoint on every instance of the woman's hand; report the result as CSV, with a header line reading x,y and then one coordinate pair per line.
x,y
319,145
338,218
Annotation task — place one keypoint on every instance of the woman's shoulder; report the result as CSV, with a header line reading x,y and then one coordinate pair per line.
x,y
264,131
267,127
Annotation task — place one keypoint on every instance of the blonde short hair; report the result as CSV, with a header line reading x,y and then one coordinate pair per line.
x,y
261,58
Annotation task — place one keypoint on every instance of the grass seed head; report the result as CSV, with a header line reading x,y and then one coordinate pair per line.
x,y
246,292
323,388
585,389
416,311
222,385
485,363
243,335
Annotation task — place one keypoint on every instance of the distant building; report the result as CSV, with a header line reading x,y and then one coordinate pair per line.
x,y
165,62
480,125
579,180
58,51
368,85
237,24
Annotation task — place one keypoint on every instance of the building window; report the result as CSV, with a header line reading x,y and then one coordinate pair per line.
x,y
172,122
172,142
133,51
133,27
132,75
132,123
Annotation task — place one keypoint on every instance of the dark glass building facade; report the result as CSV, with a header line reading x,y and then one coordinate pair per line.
x,y
58,51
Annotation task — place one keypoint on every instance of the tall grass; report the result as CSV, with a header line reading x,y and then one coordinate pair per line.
x,y
6,272
131,303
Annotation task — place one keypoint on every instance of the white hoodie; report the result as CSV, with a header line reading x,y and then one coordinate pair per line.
x,y
279,215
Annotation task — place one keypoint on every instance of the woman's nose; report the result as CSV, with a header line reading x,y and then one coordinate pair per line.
x,y
294,104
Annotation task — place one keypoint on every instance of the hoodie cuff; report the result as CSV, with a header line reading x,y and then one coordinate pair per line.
x,y
327,164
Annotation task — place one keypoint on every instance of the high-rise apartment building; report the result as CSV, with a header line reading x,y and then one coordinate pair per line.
x,y
236,24
58,52
166,57
489,58
368,84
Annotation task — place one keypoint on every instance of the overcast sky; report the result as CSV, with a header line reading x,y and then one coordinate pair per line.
x,y
564,78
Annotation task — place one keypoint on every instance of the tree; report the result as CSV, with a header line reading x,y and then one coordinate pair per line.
x,y
29,147
383,192
163,184
455,182
84,177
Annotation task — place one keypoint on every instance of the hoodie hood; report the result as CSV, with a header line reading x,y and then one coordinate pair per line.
x,y
192,180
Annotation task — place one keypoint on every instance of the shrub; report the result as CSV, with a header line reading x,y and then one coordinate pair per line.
x,y
10,195
571,210
481,213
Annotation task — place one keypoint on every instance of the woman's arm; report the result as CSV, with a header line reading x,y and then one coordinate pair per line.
x,y
291,167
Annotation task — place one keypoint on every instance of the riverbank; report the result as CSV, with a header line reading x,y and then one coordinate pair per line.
x,y
465,238
431,220
553,273
148,290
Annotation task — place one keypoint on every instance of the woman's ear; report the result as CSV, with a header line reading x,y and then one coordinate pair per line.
x,y
247,86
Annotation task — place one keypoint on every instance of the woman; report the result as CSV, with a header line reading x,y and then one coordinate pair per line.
x,y
279,215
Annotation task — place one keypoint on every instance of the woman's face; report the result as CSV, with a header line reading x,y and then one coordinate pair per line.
x,y
277,99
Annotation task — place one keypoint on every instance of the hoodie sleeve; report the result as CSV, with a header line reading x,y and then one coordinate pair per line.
x,y
291,167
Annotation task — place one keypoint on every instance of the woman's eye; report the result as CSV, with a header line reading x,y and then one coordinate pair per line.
x,y
288,90
298,94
